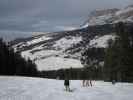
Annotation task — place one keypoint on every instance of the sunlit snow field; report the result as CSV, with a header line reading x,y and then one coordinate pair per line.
x,y
24,88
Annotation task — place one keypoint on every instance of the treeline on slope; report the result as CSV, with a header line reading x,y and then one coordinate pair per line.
x,y
116,61
119,55
93,61
72,74
12,63
113,63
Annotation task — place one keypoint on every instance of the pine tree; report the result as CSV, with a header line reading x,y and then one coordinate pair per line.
x,y
118,59
12,63
91,58
111,60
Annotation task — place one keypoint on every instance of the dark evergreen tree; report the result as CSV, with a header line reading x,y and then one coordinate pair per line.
x,y
91,59
118,59
12,63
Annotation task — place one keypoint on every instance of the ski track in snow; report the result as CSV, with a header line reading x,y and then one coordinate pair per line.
x,y
26,88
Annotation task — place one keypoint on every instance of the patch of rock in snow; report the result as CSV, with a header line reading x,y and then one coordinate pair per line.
x,y
38,48
101,41
37,40
121,15
65,43
26,88
38,55
125,10
100,20
129,19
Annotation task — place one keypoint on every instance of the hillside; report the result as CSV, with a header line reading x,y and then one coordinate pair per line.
x,y
52,51
59,50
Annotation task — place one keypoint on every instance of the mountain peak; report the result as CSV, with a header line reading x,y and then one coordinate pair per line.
x,y
103,12
109,16
129,6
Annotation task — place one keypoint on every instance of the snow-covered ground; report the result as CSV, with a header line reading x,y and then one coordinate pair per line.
x,y
55,63
52,60
25,88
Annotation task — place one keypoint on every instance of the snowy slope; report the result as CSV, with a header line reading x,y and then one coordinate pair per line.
x,y
55,63
49,52
59,50
53,51
65,43
102,41
26,88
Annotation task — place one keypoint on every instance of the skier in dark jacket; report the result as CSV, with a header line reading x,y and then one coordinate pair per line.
x,y
113,82
66,84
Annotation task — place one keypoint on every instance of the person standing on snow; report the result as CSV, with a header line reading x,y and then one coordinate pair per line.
x,y
66,81
66,84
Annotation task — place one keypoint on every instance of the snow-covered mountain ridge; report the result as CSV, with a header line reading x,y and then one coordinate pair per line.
x,y
106,16
53,51
59,50
49,51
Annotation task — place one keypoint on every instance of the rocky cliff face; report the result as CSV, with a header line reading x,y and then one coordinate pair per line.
x,y
106,16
